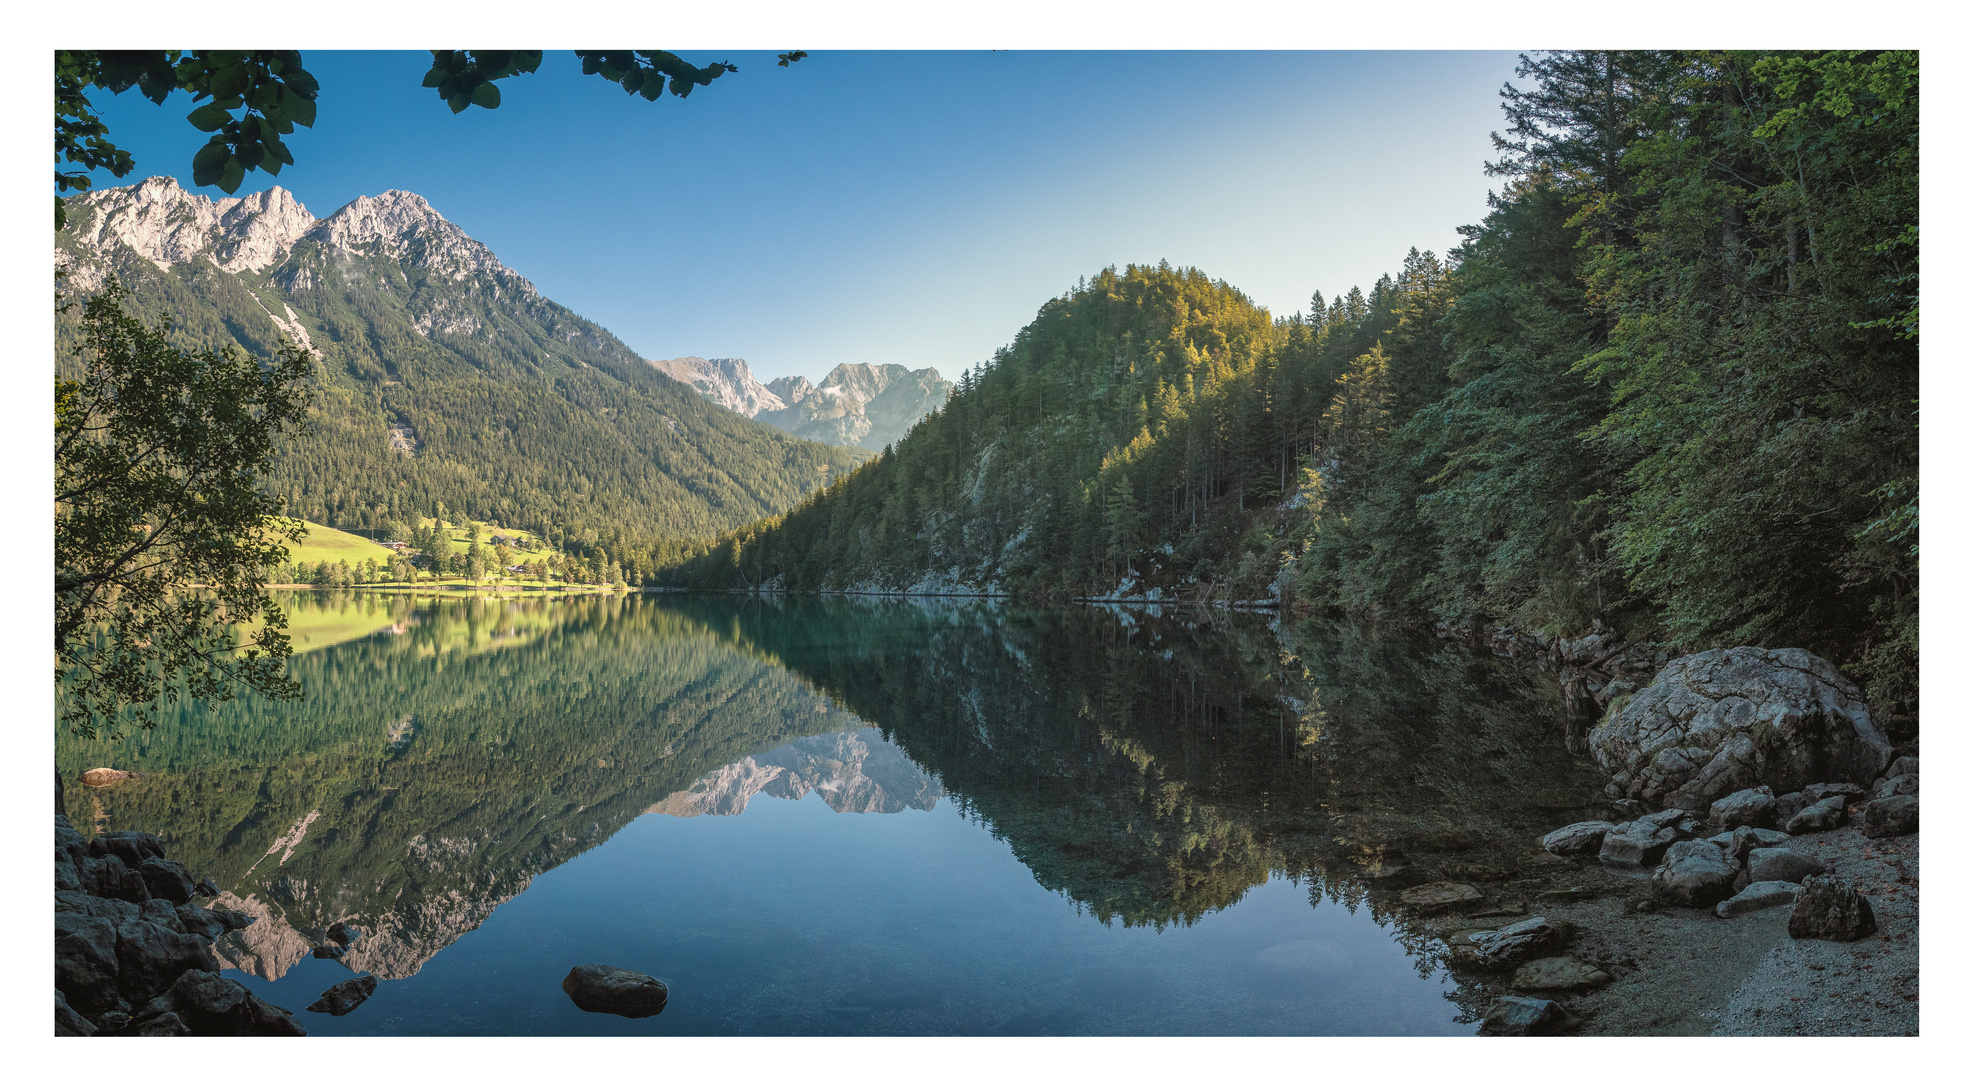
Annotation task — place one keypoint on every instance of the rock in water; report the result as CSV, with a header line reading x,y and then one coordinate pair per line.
x,y
1828,908
1520,941
1754,807
1728,719
1782,864
1440,896
1762,894
601,988
1559,973
1522,1016
1695,873
209,1004
344,996
1896,815
1578,838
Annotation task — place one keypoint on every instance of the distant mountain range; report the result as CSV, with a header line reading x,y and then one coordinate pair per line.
x,y
868,405
446,376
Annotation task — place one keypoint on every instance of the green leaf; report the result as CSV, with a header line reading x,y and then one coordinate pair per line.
x,y
459,103
435,77
234,173
301,83
209,162
230,81
301,111
210,117
486,96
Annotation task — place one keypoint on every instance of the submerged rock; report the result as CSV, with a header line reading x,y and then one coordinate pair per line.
x,y
1440,896
1758,896
1829,908
1729,719
1522,1016
1578,838
601,988
342,998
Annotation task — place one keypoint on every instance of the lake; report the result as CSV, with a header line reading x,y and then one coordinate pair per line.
x,y
820,816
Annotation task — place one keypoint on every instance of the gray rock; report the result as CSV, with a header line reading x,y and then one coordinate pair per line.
x,y
208,887
1782,864
1440,896
1636,843
166,1024
69,843
167,879
102,907
85,960
1896,815
1822,816
130,847
342,998
1694,873
1578,838
1789,806
150,958
114,877
1885,788
1754,807
200,923
1728,719
1829,908
232,919
1737,845
161,912
1524,940
1821,792
1904,766
1522,1016
601,988
1762,894
1558,973
68,1022
210,1004
330,952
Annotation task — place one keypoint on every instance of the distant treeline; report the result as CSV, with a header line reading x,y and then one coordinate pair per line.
x,y
1668,387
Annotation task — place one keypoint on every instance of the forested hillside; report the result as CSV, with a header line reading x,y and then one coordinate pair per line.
x,y
447,380
1667,387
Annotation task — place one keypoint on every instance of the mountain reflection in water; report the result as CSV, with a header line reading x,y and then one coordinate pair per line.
x,y
1151,769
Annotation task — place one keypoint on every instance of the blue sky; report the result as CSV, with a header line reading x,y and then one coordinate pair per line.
x,y
911,208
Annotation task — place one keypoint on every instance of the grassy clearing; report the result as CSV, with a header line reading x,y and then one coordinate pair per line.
x,y
324,544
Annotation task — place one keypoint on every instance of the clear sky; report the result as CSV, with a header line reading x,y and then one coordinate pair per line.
x,y
911,208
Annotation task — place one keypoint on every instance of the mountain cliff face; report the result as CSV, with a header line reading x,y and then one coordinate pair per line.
x,y
866,405
855,772
518,410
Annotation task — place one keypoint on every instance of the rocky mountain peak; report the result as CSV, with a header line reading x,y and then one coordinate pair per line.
x,y
404,226
168,225
727,381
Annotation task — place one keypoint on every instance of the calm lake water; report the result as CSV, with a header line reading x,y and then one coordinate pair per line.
x,y
831,816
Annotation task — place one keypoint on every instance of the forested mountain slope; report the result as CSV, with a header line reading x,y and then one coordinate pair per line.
x,y
446,377
1668,387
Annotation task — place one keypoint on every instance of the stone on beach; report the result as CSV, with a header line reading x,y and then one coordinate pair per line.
x,y
1558,973
1895,815
1695,873
1821,816
1440,896
1754,807
1758,896
1782,864
1520,941
1829,908
1522,1016
1578,838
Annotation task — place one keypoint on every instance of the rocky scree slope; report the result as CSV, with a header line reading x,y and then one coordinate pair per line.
x,y
446,375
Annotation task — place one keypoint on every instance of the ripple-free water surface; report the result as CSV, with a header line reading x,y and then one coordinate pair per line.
x,y
819,818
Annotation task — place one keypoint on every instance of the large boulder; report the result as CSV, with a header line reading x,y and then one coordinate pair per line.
x,y
1695,873
344,996
1738,844
151,956
85,960
1578,838
1754,807
167,879
1782,864
131,847
211,1004
1559,973
1437,896
1728,719
1637,843
1523,940
601,988
1895,815
1822,816
1829,908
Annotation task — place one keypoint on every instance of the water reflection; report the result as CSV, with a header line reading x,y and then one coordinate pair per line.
x,y
1150,769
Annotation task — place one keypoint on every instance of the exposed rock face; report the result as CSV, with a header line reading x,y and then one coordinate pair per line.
x,y
1829,908
1695,873
869,405
601,988
727,382
1729,719
214,1005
